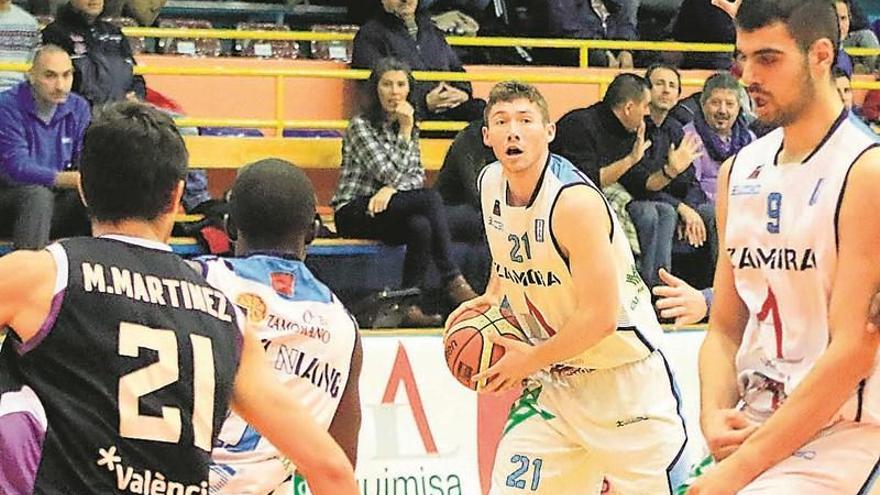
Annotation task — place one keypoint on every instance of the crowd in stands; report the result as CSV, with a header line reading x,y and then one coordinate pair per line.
x,y
655,155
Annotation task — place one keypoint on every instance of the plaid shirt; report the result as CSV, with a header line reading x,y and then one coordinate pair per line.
x,y
618,198
375,157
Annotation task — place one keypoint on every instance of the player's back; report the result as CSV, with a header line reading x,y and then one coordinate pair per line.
x,y
134,367
309,338
781,236
535,277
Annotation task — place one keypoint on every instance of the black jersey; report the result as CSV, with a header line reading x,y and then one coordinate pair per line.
x,y
134,367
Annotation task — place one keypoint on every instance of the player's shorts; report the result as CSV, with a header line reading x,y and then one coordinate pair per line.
x,y
841,460
619,428
265,477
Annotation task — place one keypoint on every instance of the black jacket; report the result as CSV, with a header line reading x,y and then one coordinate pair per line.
x,y
102,59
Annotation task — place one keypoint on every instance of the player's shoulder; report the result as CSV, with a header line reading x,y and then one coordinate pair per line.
x,y
565,171
33,265
865,171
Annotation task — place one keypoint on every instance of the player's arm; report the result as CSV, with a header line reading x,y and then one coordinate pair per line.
x,y
723,428
850,355
581,224
346,424
265,404
27,280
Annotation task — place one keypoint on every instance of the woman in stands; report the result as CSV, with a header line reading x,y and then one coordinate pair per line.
x,y
382,195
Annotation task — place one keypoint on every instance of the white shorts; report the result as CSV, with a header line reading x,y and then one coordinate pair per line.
x,y
266,477
841,460
617,427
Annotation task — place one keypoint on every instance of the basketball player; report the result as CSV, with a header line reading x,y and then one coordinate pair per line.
x,y
309,338
125,359
599,405
790,393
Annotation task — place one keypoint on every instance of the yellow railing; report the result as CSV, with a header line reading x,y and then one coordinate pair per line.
x,y
583,46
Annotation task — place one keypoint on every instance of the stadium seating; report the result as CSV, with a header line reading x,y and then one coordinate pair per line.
x,y
287,49
202,47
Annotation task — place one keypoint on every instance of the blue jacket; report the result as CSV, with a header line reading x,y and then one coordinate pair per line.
x,y
32,152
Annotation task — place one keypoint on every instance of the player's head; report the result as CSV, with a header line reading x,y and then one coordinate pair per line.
x,y
629,97
843,83
133,165
272,207
665,86
517,125
786,49
390,83
720,102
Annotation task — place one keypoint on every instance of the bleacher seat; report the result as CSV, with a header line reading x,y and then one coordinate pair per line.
x,y
312,133
199,47
288,49
136,42
230,132
333,50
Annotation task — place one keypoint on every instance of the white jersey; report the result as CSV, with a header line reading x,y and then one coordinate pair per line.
x,y
535,279
781,237
309,338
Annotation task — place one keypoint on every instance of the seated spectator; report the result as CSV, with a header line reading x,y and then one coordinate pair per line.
x,y
381,192
402,31
844,87
607,142
457,185
19,36
700,22
101,55
41,131
855,33
720,129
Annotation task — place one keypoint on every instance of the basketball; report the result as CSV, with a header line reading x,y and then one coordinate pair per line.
x,y
466,342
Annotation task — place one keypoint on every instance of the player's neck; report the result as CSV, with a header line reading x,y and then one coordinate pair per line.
x,y
153,231
803,136
522,183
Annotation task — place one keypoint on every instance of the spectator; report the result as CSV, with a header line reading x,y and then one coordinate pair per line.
x,y
698,21
400,30
607,142
41,132
844,87
457,185
381,193
853,36
19,36
101,55
720,128
579,19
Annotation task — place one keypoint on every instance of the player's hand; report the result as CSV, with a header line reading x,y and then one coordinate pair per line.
x,y
515,366
725,430
479,303
721,479
379,202
682,156
874,314
694,227
730,7
680,301
640,146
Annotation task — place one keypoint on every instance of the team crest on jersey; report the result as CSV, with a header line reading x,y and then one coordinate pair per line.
x,y
755,173
283,282
496,208
252,305
539,230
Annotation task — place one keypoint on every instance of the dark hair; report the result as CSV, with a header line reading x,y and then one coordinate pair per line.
x,y
514,90
720,80
272,202
373,110
806,20
838,72
133,158
626,87
661,65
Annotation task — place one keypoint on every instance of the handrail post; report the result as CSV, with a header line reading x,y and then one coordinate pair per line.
x,y
279,106
583,56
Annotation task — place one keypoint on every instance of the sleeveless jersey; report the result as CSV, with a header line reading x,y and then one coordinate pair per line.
x,y
535,279
781,237
308,335
134,366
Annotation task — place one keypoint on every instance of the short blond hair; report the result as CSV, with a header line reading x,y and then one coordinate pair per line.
x,y
513,90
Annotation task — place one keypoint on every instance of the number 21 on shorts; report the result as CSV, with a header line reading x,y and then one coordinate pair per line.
x,y
517,479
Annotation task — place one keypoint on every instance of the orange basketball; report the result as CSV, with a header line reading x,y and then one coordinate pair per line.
x,y
467,346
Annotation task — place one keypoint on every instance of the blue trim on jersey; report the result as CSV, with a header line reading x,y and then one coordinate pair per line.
x,y
843,191
872,479
677,471
248,442
260,267
860,124
566,172
644,340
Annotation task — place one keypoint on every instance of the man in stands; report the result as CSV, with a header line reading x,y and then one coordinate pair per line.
x,y
102,57
41,133
401,31
19,36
